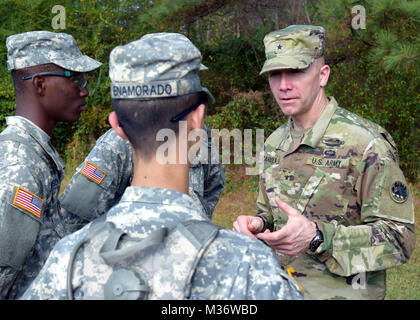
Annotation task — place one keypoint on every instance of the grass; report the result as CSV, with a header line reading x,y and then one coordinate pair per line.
x,y
239,196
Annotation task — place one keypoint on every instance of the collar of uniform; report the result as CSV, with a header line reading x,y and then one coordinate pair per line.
x,y
38,135
163,196
313,136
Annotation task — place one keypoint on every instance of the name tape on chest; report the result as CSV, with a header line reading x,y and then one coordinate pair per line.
x,y
328,163
137,90
93,172
28,201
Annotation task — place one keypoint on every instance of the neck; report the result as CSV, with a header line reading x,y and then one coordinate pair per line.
x,y
32,111
154,174
308,119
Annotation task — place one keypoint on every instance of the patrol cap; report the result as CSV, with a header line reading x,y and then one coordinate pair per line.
x,y
157,65
294,47
41,47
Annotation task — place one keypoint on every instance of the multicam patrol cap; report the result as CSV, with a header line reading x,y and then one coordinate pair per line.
x,y
41,47
157,65
294,47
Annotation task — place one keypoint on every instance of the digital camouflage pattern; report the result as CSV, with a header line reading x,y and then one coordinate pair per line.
x,y
41,47
234,266
84,199
294,47
343,174
29,161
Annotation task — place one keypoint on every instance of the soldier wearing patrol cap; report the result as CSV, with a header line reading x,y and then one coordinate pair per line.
x,y
332,199
49,74
100,180
155,85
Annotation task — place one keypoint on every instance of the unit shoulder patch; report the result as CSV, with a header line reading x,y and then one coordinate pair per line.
x,y
28,201
93,172
399,192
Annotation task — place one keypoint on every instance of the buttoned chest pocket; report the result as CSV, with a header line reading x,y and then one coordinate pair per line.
x,y
319,196
324,196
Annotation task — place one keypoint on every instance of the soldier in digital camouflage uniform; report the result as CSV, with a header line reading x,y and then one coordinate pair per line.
x,y
344,212
233,266
48,70
87,197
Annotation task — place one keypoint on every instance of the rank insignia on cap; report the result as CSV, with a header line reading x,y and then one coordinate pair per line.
x,y
399,192
28,201
93,172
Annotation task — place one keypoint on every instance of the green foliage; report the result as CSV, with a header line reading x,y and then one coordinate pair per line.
x,y
374,70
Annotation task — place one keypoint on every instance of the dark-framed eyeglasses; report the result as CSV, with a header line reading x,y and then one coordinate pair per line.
x,y
184,113
80,79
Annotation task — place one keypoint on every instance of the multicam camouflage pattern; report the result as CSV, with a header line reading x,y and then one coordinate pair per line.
x,y
41,47
234,266
343,174
84,200
294,47
155,66
29,161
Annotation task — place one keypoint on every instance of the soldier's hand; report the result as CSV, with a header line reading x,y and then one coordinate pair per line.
x,y
249,225
295,236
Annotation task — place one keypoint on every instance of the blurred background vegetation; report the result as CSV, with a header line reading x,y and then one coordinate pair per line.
x,y
374,70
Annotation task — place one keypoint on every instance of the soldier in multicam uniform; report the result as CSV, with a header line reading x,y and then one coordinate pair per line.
x,y
88,196
155,85
49,74
332,200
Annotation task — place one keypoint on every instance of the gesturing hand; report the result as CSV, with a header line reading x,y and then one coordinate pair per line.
x,y
295,236
249,225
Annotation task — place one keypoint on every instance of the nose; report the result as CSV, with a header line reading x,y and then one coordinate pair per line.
x,y
284,82
84,92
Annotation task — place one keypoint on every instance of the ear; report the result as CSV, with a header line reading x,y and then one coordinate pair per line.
x,y
39,84
324,74
113,121
196,117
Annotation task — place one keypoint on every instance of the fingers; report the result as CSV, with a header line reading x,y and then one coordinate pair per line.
x,y
288,210
248,225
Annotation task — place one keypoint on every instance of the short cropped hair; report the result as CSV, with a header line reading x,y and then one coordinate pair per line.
x,y
141,120
18,74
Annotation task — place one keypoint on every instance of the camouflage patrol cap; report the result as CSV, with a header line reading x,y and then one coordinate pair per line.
x,y
294,47
41,47
157,65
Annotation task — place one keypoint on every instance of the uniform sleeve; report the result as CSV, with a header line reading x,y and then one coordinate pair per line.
x,y
99,181
51,281
214,177
385,237
22,205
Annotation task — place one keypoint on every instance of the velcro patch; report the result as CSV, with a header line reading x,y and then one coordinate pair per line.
x,y
93,172
28,201
328,163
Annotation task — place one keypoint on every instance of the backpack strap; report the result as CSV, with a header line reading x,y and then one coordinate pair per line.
x,y
129,282
201,234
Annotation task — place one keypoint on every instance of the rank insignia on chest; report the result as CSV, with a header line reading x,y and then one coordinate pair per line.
x,y
93,173
399,192
28,201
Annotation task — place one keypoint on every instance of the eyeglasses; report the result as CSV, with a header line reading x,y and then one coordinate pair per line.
x,y
78,78
186,111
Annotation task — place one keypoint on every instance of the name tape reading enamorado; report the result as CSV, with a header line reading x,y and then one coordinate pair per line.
x,y
138,90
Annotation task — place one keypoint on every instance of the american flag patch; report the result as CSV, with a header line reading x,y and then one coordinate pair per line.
x,y
28,201
93,172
